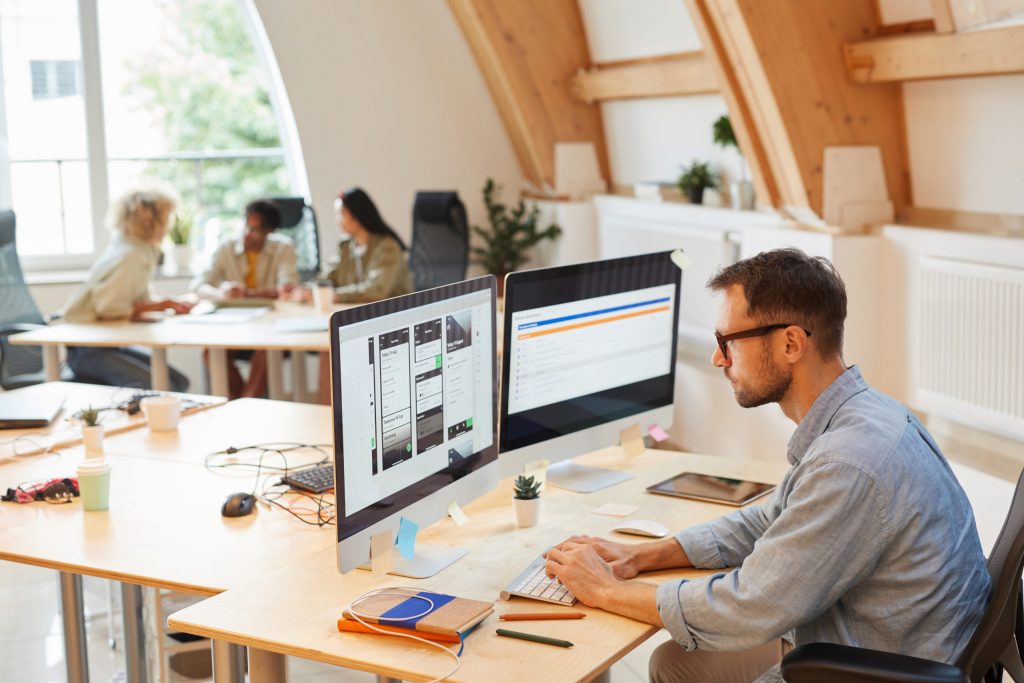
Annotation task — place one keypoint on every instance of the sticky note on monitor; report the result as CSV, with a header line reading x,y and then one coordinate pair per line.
x,y
657,433
681,260
631,440
407,538
456,513
381,559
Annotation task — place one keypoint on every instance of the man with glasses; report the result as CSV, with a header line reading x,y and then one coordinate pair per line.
x,y
868,541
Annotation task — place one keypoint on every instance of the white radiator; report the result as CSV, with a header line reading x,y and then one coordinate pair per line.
x,y
969,347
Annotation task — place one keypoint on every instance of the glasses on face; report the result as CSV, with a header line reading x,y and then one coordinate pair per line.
x,y
724,339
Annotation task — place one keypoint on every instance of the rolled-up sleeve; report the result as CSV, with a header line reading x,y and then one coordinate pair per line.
x,y
825,541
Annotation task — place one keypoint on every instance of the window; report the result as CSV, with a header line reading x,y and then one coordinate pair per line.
x,y
184,101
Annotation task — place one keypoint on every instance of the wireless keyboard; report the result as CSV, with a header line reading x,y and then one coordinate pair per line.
x,y
315,480
534,583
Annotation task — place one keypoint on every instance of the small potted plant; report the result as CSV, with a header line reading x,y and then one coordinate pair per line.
x,y
92,432
526,500
742,191
180,235
695,179
512,233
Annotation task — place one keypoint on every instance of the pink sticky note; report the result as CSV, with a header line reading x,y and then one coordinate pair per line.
x,y
657,433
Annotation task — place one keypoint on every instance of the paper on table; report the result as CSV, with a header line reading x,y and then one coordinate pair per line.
x,y
616,509
631,440
538,469
457,515
681,260
381,547
657,433
407,538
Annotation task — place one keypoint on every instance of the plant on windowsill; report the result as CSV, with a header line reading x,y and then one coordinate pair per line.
x,y
512,233
92,431
526,500
741,192
697,177
180,235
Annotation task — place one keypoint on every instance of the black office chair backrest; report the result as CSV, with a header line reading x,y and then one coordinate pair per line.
x,y
298,223
440,240
993,640
16,306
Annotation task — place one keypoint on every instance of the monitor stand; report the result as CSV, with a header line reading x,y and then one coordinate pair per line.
x,y
583,478
429,559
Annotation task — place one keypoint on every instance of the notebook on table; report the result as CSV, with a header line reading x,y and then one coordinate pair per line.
x,y
449,620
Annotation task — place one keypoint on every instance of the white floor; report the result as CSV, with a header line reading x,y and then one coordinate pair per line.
x,y
32,649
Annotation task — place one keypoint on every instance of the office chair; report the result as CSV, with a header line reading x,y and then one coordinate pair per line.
x,y
440,240
994,646
20,366
298,223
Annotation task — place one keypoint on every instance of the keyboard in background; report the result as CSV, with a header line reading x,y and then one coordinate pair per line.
x,y
534,583
314,480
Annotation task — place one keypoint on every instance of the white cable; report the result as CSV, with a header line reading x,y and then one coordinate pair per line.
x,y
409,593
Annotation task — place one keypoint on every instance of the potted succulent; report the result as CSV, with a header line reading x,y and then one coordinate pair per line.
x,y
180,235
511,234
695,179
741,191
92,431
526,501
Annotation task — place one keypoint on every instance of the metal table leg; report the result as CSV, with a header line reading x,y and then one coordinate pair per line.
x,y
275,374
159,375
267,667
51,363
219,372
228,662
76,656
134,633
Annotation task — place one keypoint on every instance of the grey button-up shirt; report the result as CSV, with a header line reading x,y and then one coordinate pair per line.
x,y
868,541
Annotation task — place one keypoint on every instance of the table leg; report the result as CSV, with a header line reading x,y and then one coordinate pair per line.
x,y
228,662
299,386
275,374
603,677
388,679
158,373
219,372
51,363
267,667
134,633
76,657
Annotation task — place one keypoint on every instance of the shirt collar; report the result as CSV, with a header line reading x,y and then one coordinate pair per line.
x,y
824,408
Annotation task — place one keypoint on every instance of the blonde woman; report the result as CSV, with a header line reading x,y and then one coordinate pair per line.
x,y
118,288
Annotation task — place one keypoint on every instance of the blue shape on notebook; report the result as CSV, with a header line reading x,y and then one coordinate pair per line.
x,y
407,609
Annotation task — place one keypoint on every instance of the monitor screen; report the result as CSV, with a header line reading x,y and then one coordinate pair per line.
x,y
586,345
414,398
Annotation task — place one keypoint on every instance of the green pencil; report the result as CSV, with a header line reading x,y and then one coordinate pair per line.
x,y
533,637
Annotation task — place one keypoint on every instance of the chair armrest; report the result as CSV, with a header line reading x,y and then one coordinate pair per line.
x,y
830,663
17,328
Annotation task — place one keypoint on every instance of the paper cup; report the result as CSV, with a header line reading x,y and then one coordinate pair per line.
x,y
94,484
323,298
162,412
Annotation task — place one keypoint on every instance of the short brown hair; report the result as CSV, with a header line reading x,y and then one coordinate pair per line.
x,y
788,286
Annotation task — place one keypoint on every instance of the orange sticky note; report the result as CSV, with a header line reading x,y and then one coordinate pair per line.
x,y
631,440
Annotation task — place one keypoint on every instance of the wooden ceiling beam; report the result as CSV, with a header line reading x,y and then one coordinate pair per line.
x,y
529,52
925,56
680,75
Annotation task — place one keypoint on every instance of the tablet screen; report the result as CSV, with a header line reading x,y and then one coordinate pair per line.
x,y
714,489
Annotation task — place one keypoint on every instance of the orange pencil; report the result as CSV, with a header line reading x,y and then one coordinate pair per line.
x,y
527,616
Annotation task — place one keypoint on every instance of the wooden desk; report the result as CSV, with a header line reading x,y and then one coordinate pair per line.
x,y
65,432
293,610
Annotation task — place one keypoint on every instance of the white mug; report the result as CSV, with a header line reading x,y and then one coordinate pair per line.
x,y
323,298
162,412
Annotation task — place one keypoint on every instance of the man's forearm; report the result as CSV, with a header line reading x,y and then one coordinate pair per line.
x,y
665,554
633,599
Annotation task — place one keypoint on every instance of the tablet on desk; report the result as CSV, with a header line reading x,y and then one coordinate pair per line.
x,y
712,489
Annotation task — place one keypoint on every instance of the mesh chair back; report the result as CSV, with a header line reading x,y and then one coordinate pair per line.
x,y
298,223
16,306
993,640
440,240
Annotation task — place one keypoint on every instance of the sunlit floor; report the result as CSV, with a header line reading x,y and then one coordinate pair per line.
x,y
32,647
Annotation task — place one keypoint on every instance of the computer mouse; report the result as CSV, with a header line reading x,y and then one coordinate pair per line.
x,y
238,505
642,527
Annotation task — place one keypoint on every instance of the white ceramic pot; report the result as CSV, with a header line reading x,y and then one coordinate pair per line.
x,y
92,439
527,511
182,254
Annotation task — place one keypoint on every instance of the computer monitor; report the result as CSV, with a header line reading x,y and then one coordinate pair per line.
x,y
589,350
415,420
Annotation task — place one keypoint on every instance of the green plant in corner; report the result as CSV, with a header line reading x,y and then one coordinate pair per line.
x,y
722,133
90,416
511,234
694,179
181,228
526,488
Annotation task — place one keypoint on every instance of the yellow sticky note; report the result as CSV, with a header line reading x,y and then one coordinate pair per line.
x,y
456,513
681,260
538,469
632,441
381,548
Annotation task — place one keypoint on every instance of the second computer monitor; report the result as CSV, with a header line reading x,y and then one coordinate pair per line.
x,y
589,350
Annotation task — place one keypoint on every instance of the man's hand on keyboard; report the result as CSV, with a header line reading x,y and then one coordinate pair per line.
x,y
619,556
582,570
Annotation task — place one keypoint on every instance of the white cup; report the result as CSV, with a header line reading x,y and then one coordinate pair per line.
x,y
162,412
94,483
323,298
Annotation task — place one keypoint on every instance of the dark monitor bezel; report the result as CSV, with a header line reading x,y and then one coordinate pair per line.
x,y
349,525
553,294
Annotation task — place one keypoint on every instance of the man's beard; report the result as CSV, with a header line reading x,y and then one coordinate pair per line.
x,y
772,384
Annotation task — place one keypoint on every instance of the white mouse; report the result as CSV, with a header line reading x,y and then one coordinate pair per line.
x,y
642,527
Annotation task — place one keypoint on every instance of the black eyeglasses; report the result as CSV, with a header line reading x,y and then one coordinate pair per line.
x,y
724,339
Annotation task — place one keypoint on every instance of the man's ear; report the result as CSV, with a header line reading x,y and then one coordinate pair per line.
x,y
797,343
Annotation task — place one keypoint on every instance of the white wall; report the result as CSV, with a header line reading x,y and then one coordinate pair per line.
x,y
387,95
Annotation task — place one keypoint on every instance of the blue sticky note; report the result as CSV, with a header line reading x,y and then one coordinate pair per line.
x,y
407,538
